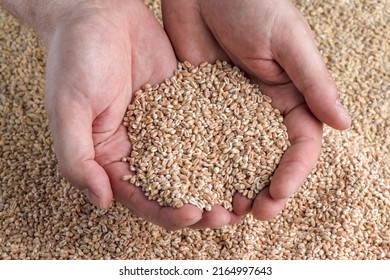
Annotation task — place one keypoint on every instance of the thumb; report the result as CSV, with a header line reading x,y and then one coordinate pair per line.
x,y
71,126
295,50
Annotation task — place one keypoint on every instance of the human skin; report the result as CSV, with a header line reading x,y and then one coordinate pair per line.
x,y
273,44
98,54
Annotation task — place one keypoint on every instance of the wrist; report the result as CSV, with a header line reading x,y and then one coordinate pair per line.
x,y
45,16
42,15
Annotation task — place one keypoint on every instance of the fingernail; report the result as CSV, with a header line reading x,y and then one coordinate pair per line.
x,y
93,198
342,111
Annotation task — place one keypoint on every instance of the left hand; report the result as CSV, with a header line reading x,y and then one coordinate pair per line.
x,y
273,44
99,53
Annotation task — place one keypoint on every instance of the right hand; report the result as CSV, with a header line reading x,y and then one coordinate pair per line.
x,y
99,53
273,44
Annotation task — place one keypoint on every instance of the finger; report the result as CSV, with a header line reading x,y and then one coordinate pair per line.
x,y
241,204
295,50
216,218
191,38
135,200
71,126
234,218
266,207
305,134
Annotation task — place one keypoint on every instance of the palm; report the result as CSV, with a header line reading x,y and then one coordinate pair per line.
x,y
256,35
94,64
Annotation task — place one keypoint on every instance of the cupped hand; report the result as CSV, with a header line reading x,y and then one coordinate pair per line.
x,y
99,53
273,44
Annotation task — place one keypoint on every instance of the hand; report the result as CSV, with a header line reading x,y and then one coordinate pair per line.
x,y
269,40
98,55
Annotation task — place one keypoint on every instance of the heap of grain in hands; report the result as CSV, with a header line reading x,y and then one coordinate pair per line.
x,y
340,212
203,135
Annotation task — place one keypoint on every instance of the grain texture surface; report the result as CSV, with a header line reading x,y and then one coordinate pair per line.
x,y
341,212
203,135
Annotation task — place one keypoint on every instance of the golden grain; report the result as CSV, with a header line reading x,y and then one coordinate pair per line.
x,y
212,147
347,194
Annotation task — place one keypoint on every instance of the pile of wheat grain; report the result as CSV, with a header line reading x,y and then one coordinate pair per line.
x,y
203,135
341,212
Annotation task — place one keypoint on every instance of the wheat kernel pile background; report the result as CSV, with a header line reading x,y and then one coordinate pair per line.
x,y
341,212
